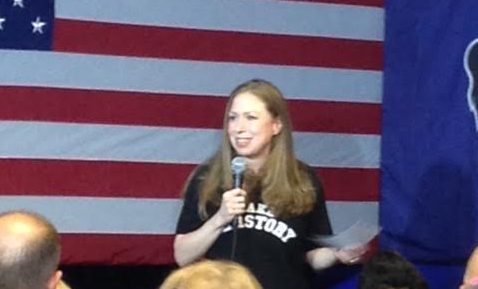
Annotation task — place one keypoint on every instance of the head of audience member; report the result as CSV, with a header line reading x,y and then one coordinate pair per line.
x,y
390,270
29,251
470,279
62,285
211,275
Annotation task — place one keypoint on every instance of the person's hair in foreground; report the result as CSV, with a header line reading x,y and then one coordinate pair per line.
x,y
29,251
470,278
211,275
390,270
62,285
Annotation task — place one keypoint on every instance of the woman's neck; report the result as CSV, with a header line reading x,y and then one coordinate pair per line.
x,y
254,164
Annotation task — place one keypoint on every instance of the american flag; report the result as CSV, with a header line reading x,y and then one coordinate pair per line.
x,y
106,107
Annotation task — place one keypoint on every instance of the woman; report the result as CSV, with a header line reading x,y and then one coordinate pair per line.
x,y
279,207
211,275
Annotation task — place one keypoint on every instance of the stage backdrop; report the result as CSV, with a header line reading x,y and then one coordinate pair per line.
x,y
429,195
106,107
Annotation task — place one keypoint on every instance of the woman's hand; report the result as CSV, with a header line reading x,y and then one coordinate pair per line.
x,y
194,245
233,204
321,258
351,256
325,257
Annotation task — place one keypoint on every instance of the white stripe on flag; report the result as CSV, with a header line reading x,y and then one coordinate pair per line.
x,y
274,17
146,216
44,140
101,215
68,70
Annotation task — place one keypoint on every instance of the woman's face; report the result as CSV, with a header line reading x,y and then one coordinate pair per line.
x,y
251,127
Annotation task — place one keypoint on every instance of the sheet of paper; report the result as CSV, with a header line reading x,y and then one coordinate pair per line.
x,y
358,234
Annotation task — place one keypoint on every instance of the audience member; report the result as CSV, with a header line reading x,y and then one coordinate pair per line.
x,y
29,251
470,279
62,285
389,270
212,275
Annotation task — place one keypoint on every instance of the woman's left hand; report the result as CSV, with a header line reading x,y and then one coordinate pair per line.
x,y
351,256
326,257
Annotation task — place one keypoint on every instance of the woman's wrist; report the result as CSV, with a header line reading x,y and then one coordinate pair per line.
x,y
217,222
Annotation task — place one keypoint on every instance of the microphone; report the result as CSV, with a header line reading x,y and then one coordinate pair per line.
x,y
238,166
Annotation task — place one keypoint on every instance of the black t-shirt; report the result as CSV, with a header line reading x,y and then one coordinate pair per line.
x,y
272,248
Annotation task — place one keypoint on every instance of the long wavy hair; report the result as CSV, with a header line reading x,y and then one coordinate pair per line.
x,y
284,183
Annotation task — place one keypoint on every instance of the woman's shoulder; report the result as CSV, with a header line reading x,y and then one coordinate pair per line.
x,y
203,168
200,171
311,173
197,175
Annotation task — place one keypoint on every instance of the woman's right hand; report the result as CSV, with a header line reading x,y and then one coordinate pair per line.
x,y
233,204
194,245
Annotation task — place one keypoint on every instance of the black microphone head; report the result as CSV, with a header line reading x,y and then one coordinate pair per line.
x,y
238,165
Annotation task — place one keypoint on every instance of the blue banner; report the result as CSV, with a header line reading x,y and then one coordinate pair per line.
x,y
429,166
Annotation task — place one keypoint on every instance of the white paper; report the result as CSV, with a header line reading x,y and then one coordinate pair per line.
x,y
356,235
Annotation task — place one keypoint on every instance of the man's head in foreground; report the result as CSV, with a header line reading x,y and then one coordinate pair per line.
x,y
29,251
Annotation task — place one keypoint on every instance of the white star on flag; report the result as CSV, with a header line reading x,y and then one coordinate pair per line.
x,y
38,25
1,23
18,3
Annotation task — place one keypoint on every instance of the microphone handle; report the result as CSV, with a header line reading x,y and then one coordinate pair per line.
x,y
237,180
235,221
237,184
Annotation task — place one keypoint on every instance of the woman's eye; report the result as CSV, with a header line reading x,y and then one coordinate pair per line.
x,y
231,117
251,117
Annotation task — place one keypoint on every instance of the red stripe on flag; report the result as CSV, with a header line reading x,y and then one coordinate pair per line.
x,y
337,117
110,107
115,249
193,44
134,108
373,3
147,180
92,178
350,184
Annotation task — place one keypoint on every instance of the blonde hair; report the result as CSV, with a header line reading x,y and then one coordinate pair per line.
x,y
285,185
212,275
471,270
62,285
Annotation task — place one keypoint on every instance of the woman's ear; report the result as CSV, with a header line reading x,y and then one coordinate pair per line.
x,y
277,126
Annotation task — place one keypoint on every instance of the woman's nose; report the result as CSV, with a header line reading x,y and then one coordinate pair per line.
x,y
241,124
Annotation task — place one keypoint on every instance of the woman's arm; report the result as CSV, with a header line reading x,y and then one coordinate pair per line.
x,y
194,245
326,257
